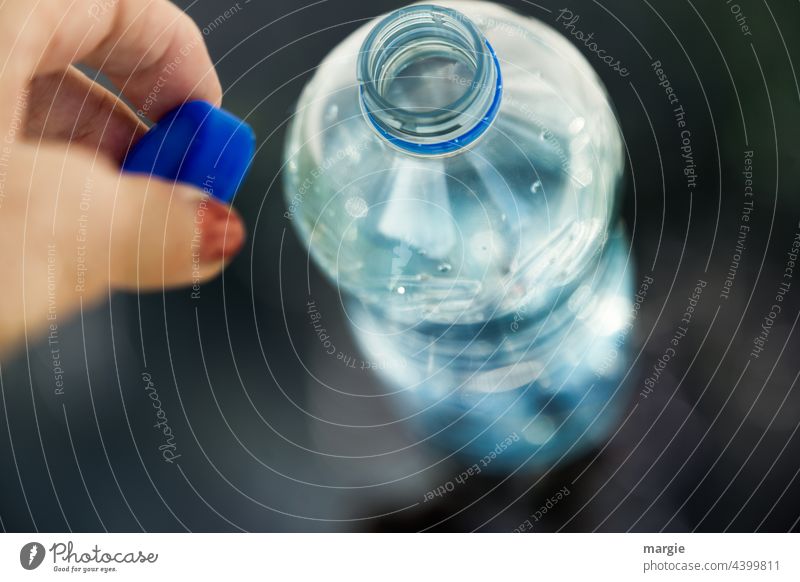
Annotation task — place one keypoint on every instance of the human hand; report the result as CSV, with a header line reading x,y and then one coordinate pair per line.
x,y
72,227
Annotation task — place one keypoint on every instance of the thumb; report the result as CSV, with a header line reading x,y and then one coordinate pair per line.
x,y
168,235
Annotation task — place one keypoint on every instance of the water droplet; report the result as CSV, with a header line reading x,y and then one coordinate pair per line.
x,y
356,207
503,218
536,186
576,125
332,114
401,290
445,267
543,135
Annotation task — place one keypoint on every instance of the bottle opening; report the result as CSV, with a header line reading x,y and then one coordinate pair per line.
x,y
430,82
427,83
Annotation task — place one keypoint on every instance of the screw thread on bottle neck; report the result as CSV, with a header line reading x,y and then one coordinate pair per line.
x,y
430,82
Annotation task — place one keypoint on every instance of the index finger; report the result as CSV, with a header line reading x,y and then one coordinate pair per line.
x,y
151,50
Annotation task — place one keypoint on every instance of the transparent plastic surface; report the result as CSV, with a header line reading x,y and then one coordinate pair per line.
x,y
495,270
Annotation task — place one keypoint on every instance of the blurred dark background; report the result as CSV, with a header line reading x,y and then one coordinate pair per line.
x,y
264,446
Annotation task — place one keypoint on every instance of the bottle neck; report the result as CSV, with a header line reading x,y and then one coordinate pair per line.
x,y
430,82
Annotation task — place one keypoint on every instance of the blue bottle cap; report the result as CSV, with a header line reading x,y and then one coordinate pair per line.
x,y
197,144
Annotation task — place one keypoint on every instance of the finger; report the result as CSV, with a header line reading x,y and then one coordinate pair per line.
x,y
182,237
68,106
129,231
142,47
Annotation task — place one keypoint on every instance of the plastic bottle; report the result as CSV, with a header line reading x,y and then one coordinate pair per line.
x,y
454,169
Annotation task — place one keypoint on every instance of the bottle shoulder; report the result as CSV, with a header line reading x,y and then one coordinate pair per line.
x,y
473,235
550,94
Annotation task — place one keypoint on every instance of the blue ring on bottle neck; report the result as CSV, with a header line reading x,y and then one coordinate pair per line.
x,y
454,144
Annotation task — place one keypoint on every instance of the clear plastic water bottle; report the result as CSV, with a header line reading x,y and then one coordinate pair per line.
x,y
454,170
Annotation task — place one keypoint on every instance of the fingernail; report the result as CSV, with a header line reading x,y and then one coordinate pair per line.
x,y
223,231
